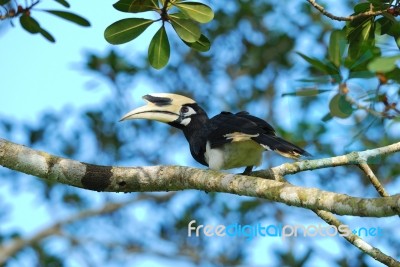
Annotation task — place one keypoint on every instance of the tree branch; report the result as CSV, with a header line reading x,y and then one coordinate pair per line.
x,y
355,240
17,245
172,178
371,111
10,250
373,179
321,9
353,158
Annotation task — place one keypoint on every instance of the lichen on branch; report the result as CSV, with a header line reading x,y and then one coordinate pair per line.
x,y
174,178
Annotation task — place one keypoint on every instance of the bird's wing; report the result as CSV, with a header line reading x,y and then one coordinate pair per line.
x,y
227,127
260,123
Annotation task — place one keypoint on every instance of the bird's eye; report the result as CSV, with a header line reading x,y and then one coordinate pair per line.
x,y
184,109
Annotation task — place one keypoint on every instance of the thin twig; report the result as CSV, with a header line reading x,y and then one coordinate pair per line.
x,y
164,11
352,158
354,239
357,241
18,244
375,181
321,9
367,109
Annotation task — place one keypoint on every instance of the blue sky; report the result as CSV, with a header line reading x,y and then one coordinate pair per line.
x,y
37,75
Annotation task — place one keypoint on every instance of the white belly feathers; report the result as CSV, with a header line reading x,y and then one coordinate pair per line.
x,y
234,155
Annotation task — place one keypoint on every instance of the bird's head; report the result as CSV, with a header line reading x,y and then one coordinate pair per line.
x,y
173,109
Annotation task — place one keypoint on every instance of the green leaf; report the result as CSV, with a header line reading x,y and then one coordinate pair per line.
x,y
32,26
361,36
324,67
368,29
201,45
70,17
394,75
47,35
186,29
395,32
321,79
136,6
383,25
29,24
126,30
383,64
318,64
375,2
395,29
327,117
63,2
307,92
3,2
340,107
389,17
379,4
159,49
196,11
178,15
363,74
337,47
361,7
359,62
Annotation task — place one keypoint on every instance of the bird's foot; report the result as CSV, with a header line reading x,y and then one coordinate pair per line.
x,y
248,170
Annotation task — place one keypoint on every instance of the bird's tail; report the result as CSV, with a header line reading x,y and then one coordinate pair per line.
x,y
281,146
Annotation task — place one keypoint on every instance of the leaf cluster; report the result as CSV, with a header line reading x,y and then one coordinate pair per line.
x,y
30,24
253,70
184,17
354,53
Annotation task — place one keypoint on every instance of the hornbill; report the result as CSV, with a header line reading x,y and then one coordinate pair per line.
x,y
225,141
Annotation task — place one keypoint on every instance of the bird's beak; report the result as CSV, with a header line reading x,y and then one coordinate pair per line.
x,y
159,107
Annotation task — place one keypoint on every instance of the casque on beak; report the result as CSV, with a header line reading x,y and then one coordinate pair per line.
x,y
159,107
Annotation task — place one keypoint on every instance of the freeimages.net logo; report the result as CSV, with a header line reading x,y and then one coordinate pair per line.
x,y
278,230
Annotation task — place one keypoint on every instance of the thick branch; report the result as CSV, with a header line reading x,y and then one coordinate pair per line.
x,y
172,178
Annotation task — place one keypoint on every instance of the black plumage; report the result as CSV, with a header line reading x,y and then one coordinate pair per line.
x,y
201,130
223,142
